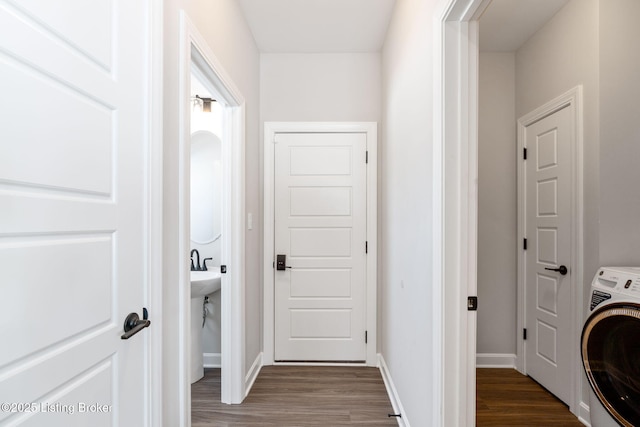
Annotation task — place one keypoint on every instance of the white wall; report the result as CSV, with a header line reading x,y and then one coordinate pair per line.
x,y
406,215
619,132
320,87
497,207
223,25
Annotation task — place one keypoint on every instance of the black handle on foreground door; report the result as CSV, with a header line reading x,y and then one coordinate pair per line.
x,y
133,324
562,269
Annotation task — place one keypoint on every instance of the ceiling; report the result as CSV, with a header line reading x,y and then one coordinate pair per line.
x,y
506,24
334,26
318,26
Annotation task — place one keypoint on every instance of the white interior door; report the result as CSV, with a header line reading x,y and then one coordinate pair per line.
x,y
320,226
72,211
548,232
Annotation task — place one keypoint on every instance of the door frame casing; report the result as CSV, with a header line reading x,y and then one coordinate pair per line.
x,y
154,214
194,51
455,210
571,99
270,130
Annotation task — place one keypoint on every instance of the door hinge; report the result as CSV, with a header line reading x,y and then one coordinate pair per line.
x,y
472,303
524,334
525,244
525,153
366,157
274,264
366,340
366,247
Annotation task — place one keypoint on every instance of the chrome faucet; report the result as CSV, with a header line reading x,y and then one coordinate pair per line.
x,y
195,267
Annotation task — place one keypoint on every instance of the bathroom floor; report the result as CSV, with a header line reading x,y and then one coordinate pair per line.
x,y
297,396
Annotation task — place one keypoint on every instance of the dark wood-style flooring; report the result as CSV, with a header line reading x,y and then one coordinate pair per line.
x,y
504,397
343,396
297,396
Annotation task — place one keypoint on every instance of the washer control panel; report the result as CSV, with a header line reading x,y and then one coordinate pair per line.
x,y
618,280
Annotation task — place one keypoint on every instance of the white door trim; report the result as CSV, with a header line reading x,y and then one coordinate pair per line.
x,y
195,52
455,159
154,214
270,129
573,100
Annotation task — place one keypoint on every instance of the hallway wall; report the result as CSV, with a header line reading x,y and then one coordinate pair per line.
x,y
223,26
619,133
408,337
320,87
497,207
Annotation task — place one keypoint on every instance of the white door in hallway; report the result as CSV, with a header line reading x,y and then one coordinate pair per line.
x,y
548,233
320,226
73,230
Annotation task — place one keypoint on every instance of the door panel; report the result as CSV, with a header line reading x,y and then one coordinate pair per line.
x,y
548,225
72,222
320,225
91,36
320,242
321,283
318,161
324,201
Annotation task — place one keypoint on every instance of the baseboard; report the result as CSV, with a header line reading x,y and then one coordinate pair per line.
x,y
251,376
212,360
495,360
584,414
392,392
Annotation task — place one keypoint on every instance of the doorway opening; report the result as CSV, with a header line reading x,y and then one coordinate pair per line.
x,y
223,236
337,144
456,172
205,214
530,208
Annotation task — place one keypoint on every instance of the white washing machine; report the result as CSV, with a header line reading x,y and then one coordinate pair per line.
x,y
611,347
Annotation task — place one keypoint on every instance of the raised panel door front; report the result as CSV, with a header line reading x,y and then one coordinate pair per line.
x,y
320,225
548,219
73,145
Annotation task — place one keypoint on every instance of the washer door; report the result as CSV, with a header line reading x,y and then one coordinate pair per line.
x,y
611,358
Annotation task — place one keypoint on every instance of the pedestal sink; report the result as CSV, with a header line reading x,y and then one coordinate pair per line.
x,y
202,283
205,282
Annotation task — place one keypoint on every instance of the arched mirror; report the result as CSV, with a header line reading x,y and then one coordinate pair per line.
x,y
206,187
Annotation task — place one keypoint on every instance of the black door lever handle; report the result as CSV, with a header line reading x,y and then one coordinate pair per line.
x,y
562,269
133,324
